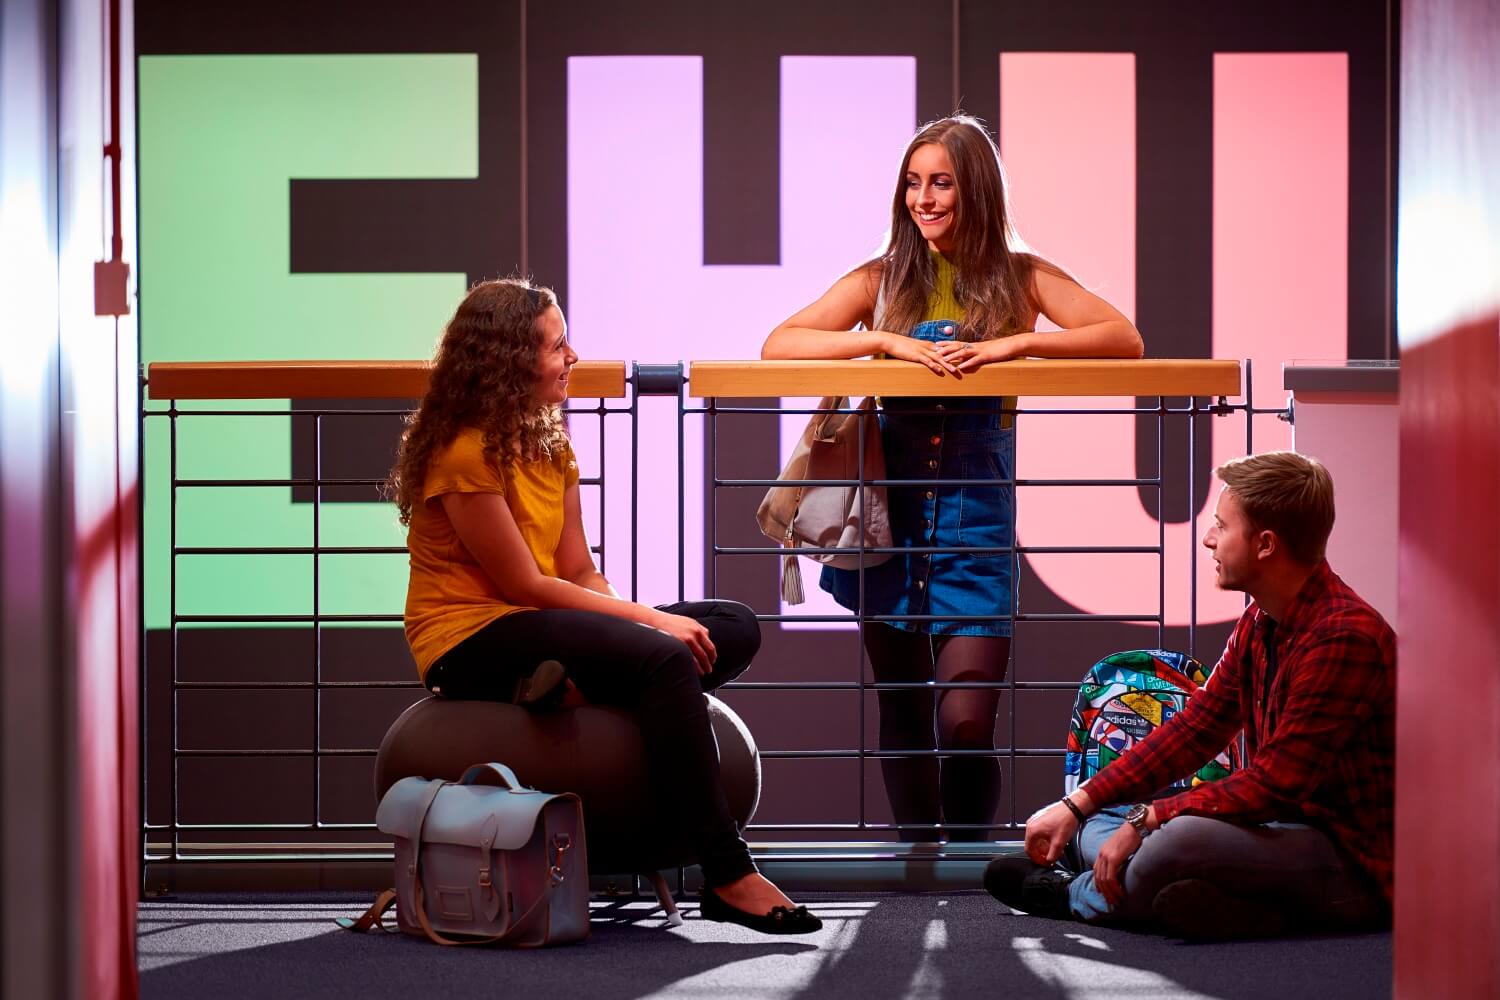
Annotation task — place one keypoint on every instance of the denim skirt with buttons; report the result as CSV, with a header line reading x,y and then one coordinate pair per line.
x,y
952,438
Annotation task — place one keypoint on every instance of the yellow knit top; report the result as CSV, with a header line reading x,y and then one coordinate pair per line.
x,y
450,596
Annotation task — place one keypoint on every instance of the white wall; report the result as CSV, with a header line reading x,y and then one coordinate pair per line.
x,y
1357,436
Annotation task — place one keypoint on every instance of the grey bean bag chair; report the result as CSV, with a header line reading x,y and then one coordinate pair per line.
x,y
591,750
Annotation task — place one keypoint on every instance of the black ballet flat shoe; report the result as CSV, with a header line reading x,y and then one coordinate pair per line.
x,y
780,920
543,689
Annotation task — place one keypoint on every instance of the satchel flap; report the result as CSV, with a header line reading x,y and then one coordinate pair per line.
x,y
459,812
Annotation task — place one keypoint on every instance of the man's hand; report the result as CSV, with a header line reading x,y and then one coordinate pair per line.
x,y
1109,866
1048,832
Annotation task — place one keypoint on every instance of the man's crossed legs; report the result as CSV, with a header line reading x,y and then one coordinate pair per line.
x,y
1203,879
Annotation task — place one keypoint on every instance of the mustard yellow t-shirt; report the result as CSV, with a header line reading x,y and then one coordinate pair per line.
x,y
450,596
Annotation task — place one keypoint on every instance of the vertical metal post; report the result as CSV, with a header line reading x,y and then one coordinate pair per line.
x,y
603,491
859,654
1192,529
1015,600
1249,407
635,479
681,488
1161,521
317,626
172,617
143,666
711,516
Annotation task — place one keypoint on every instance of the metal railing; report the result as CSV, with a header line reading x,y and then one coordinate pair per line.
x,y
204,818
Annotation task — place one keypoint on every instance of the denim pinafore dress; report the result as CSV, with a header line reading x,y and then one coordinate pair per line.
x,y
969,438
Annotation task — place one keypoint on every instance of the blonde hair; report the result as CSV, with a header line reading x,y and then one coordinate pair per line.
x,y
1287,493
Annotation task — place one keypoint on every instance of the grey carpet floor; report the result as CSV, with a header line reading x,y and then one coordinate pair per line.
x,y
872,946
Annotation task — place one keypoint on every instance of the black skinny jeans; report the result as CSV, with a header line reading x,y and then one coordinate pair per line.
x,y
618,662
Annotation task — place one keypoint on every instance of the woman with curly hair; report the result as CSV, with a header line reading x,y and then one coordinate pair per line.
x,y
954,290
504,595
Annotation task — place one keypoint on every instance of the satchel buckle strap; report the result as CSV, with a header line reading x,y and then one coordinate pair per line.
x,y
561,842
486,842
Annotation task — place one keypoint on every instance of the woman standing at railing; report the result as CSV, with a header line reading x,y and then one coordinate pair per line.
x,y
503,585
954,290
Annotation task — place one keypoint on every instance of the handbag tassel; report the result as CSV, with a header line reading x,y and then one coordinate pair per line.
x,y
791,577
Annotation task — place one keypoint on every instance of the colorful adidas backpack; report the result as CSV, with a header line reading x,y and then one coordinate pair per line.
x,y
1122,699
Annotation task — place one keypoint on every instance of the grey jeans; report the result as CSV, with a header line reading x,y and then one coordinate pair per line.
x,y
1289,865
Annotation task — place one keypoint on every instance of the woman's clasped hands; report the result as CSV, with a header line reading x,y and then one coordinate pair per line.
x,y
969,356
920,352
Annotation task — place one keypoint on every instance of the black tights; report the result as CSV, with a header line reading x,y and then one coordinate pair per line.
x,y
930,791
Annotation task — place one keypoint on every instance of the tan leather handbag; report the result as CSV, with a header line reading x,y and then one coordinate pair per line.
x,y
484,857
843,516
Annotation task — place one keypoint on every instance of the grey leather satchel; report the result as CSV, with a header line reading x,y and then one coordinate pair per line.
x,y
485,858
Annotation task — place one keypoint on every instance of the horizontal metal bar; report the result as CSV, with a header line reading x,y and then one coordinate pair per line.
x,y
177,413
874,550
325,752
852,852
302,550
277,619
899,754
896,685
1026,617
731,686
291,685
811,754
289,550
1137,483
278,483
719,410
234,827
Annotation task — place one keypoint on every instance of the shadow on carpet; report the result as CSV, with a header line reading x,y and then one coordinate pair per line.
x,y
872,947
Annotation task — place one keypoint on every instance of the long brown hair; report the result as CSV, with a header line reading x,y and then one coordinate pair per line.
x,y
992,279
483,375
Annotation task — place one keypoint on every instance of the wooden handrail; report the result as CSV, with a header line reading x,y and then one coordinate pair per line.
x,y
1028,377
336,380
719,379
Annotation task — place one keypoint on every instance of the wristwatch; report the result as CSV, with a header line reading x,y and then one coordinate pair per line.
x,y
1136,817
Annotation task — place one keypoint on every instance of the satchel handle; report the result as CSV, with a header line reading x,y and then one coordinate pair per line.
x,y
494,774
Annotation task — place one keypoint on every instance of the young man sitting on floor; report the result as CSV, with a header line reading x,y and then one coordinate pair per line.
x,y
1300,837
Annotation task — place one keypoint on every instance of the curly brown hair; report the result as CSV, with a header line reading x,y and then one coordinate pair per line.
x,y
483,374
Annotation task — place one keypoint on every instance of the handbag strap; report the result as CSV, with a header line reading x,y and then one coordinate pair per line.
x,y
822,423
511,925
371,917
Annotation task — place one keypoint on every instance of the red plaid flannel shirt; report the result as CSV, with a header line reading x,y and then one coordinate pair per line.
x,y
1321,749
